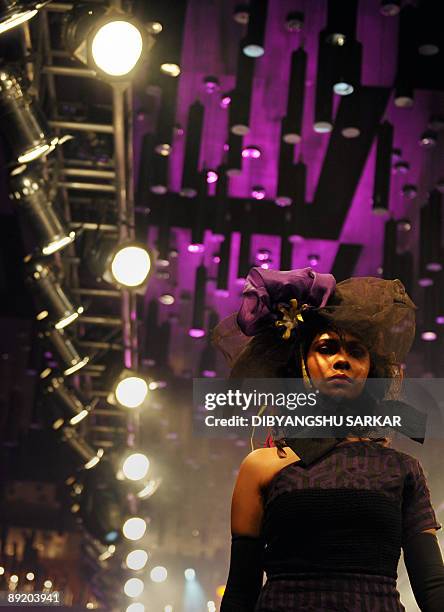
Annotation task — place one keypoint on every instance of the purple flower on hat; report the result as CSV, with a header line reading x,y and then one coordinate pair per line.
x,y
265,290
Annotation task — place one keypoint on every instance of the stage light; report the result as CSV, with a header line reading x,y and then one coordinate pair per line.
x,y
136,607
211,84
313,259
136,466
342,88
258,192
241,14
23,123
404,224
66,350
390,8
168,608
75,409
163,149
439,320
133,587
109,41
190,574
251,152
409,191
13,13
283,201
292,122
253,45
381,181
30,576
47,584
170,69
428,139
90,458
294,22
149,488
13,578
130,390
28,191
401,167
225,100
61,310
158,574
130,265
136,559
134,528
197,327
429,336
194,131
127,265
212,176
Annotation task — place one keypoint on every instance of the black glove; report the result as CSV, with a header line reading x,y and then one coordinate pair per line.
x,y
425,567
245,575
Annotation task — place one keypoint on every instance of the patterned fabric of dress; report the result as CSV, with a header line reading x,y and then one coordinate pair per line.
x,y
333,531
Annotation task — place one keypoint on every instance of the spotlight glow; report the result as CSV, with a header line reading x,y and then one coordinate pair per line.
x,y
131,392
172,70
253,51
251,152
136,607
135,467
134,528
158,574
16,20
117,59
33,153
212,176
322,127
133,587
429,336
131,266
195,332
136,559
258,192
343,89
190,574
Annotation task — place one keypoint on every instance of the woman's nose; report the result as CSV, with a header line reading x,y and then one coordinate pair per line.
x,y
341,360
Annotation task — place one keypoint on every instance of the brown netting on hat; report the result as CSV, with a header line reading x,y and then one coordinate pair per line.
x,y
378,311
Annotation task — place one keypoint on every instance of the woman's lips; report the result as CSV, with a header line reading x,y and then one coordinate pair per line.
x,y
339,378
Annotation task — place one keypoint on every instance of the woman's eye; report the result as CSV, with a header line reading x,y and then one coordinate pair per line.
x,y
326,349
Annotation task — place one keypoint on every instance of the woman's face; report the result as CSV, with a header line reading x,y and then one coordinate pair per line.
x,y
338,368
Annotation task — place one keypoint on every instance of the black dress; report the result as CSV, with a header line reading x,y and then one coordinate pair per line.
x,y
333,531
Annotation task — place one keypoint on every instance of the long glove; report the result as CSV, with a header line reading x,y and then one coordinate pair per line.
x,y
425,567
245,575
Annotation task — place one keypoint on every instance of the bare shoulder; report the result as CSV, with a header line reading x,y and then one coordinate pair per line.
x,y
264,463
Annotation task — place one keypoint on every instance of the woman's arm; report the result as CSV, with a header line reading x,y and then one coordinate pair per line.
x,y
425,568
245,575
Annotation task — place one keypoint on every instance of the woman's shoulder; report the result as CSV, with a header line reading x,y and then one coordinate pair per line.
x,y
264,463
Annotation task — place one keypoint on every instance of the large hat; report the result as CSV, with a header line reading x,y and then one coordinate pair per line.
x,y
379,311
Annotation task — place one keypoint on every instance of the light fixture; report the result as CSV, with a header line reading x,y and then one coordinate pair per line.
x,y
130,390
197,329
258,192
134,528
429,336
313,259
136,607
294,21
251,152
66,350
428,139
127,264
23,123
74,408
211,84
292,122
409,191
240,107
170,69
158,574
253,45
133,587
241,14
194,131
381,181
13,13
28,190
401,167
225,100
61,309
90,457
136,559
108,40
136,466
390,8
212,176
190,574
